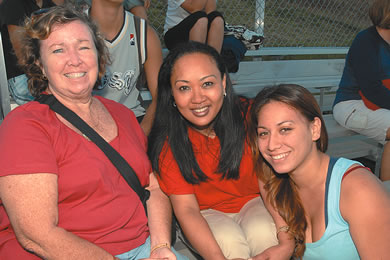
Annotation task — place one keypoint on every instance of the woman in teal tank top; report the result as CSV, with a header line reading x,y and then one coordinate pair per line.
x,y
330,215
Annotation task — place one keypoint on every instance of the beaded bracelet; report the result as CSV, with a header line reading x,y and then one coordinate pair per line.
x,y
161,245
282,229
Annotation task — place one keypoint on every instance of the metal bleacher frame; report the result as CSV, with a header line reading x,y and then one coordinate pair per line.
x,y
5,106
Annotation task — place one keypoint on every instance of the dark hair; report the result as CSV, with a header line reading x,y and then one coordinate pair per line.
x,y
38,27
282,193
379,13
169,126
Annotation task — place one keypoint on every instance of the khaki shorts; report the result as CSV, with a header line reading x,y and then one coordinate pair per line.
x,y
243,234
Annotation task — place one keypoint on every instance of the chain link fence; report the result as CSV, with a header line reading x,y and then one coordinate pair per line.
x,y
289,23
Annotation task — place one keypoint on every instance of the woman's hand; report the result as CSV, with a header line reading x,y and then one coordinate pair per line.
x,y
163,253
195,226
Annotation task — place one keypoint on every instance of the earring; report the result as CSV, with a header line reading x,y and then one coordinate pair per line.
x,y
224,94
174,104
44,77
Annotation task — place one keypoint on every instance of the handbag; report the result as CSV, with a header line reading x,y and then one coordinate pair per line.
x,y
117,160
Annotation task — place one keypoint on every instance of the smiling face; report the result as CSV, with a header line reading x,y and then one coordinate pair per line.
x,y
286,139
69,60
198,89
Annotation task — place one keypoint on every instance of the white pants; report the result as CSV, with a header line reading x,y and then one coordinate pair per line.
x,y
243,234
354,115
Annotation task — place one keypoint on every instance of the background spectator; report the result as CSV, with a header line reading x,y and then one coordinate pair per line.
x,y
12,15
189,20
362,101
132,54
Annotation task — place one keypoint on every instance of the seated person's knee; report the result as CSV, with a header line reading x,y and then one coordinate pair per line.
x,y
201,24
217,21
233,243
260,230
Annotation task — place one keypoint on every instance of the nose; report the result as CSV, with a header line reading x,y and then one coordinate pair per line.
x,y
198,96
274,142
74,57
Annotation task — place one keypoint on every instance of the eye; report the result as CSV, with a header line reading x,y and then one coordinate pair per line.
x,y
184,88
262,134
84,48
208,84
58,51
285,130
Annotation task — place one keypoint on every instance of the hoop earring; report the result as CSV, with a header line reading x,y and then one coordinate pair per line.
x,y
174,104
224,94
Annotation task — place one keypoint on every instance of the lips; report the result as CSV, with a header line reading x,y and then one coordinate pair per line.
x,y
201,111
75,75
279,156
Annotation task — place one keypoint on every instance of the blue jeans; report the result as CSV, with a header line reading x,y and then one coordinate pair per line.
x,y
143,251
18,88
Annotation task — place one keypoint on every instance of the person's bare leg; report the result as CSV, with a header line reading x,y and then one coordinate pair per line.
x,y
385,164
198,32
215,35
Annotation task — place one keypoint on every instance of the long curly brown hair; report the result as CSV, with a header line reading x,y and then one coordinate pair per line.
x,y
282,191
38,27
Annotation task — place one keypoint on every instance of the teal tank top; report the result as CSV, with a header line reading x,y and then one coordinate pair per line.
x,y
336,242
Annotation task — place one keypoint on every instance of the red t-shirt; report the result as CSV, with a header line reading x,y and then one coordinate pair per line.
x,y
94,201
224,195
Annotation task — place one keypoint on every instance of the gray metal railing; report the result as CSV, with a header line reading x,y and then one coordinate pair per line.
x,y
4,94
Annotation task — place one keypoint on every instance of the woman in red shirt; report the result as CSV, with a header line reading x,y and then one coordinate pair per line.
x,y
198,148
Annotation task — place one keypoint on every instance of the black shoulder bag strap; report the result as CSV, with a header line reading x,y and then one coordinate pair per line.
x,y
117,160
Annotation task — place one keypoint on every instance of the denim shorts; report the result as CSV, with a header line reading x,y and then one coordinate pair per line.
x,y
143,251
17,87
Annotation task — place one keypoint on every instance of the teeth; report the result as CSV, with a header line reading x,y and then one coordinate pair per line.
x,y
75,75
199,110
279,156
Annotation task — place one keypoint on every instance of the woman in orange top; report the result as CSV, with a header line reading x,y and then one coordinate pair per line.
x,y
198,148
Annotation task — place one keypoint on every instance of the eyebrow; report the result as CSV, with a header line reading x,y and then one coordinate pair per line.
x,y
208,76
201,79
62,44
281,123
